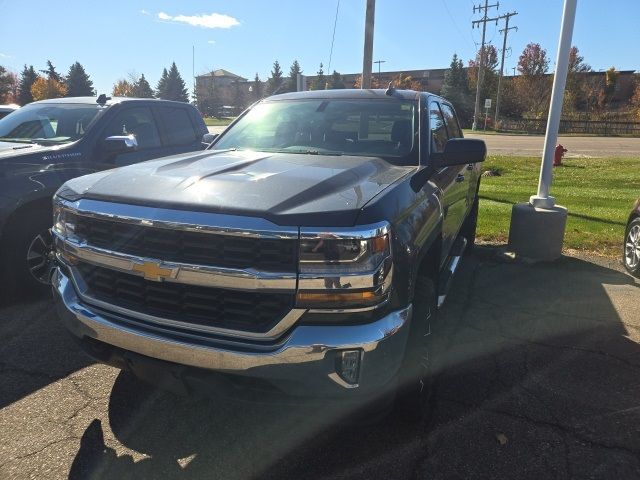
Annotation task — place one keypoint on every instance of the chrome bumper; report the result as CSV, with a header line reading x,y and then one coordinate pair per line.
x,y
304,361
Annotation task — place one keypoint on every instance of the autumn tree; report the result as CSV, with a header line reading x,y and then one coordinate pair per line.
x,y
78,82
27,77
141,88
294,71
635,100
274,84
533,86
44,88
122,88
574,94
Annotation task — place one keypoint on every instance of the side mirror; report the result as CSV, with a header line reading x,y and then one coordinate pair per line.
x,y
460,151
208,138
120,144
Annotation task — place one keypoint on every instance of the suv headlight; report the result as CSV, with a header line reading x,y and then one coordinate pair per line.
x,y
345,269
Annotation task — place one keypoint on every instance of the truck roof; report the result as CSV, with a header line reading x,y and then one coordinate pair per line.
x,y
354,93
110,101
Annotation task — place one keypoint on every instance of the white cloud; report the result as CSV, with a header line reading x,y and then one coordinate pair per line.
x,y
211,42
144,12
212,20
4,55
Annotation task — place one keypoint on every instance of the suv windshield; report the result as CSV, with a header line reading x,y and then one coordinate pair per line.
x,y
48,123
382,128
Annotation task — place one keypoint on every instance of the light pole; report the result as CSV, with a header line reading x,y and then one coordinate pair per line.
x,y
537,228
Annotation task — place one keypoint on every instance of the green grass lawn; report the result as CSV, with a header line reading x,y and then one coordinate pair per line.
x,y
598,193
217,122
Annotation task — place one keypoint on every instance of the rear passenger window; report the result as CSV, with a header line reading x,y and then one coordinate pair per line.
x,y
177,125
438,130
452,122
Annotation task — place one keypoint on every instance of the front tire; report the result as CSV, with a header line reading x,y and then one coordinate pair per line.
x,y
470,226
631,250
27,255
415,385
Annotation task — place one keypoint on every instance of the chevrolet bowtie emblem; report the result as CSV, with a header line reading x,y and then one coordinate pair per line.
x,y
152,271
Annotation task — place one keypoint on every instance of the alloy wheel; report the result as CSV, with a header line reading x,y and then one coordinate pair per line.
x,y
632,247
41,258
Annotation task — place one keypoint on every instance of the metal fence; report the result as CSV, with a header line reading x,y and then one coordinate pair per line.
x,y
590,127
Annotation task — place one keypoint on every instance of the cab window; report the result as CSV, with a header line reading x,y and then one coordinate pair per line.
x,y
438,129
138,122
451,121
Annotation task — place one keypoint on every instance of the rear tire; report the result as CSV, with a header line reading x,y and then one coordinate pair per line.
x,y
631,249
26,258
415,378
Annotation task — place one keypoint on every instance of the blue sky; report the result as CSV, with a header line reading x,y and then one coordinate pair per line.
x,y
246,36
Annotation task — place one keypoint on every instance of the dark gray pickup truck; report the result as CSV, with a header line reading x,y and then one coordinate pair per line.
x,y
304,253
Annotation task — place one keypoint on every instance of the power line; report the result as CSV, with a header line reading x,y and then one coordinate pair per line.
x,y
333,37
484,21
505,30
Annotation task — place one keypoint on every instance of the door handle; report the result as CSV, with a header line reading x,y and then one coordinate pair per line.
x,y
460,178
470,166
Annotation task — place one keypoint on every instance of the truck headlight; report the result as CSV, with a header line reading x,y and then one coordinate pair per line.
x,y
64,221
344,269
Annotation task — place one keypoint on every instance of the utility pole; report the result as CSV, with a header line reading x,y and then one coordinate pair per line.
x,y
505,30
484,21
368,44
379,62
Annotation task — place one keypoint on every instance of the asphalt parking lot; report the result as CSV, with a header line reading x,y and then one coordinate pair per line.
x,y
537,376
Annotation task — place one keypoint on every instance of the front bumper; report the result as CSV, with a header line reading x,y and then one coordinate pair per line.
x,y
303,363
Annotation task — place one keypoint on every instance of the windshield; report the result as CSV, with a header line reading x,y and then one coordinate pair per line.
x,y
48,123
383,128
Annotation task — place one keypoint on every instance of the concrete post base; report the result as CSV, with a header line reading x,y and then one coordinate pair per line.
x,y
537,233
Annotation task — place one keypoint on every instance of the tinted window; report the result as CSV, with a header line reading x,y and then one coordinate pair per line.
x,y
48,123
438,130
177,124
452,122
327,127
138,122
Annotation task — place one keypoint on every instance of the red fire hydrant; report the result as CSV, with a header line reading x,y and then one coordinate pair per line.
x,y
557,156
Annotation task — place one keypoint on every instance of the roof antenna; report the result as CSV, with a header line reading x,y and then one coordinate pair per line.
x,y
102,99
390,90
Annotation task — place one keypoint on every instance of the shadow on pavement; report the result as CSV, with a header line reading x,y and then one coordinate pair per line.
x,y
537,377
35,349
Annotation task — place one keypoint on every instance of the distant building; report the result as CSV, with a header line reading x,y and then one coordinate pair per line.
x,y
222,92
430,80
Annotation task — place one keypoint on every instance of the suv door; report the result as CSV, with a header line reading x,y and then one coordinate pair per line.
x,y
472,173
140,122
451,180
179,133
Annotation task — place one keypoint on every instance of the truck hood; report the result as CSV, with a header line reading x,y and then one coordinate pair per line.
x,y
293,189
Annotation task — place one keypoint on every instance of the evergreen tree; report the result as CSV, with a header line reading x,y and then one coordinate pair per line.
x,y
142,89
257,88
172,87
27,77
6,84
294,71
51,73
455,88
336,82
161,88
275,81
78,82
321,81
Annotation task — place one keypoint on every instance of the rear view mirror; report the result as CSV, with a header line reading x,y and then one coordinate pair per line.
x,y
460,151
208,138
120,144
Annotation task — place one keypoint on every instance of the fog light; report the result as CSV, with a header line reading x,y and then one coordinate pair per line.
x,y
349,366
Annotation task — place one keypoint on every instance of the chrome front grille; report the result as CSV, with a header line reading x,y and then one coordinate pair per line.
x,y
190,247
254,311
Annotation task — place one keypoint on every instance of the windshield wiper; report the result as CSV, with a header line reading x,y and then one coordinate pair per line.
x,y
15,140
